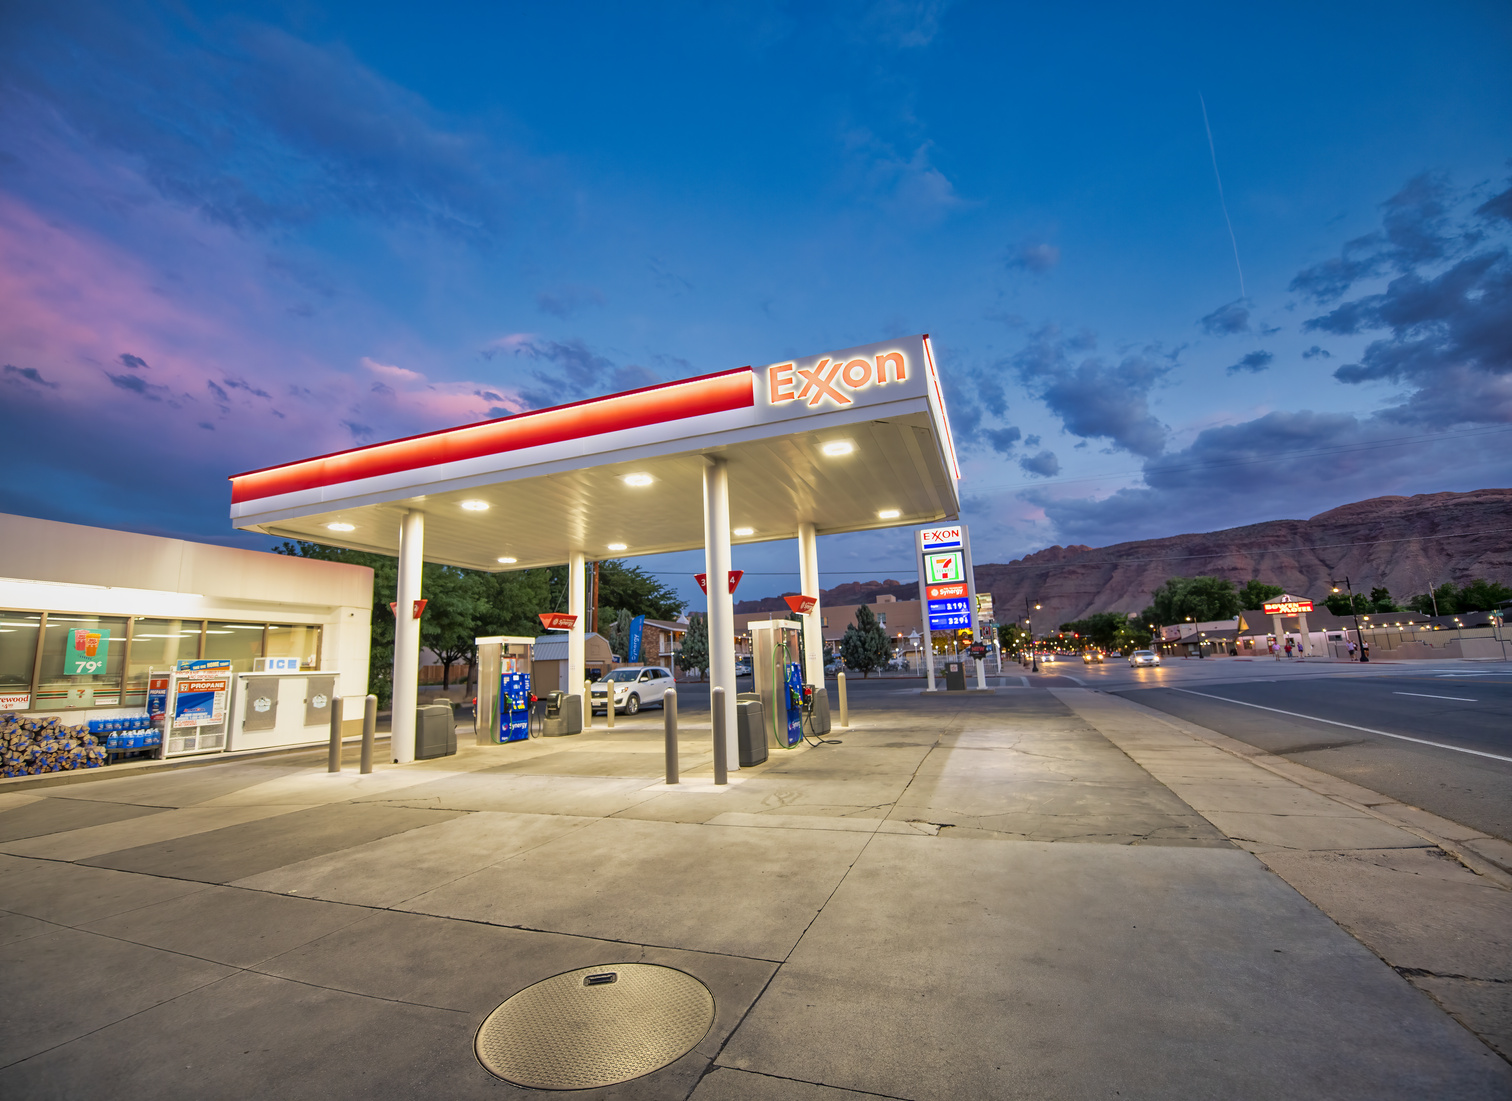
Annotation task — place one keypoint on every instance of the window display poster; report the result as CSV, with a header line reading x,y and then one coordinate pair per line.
x,y
200,701
86,652
157,697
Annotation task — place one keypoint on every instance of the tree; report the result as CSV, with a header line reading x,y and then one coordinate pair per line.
x,y
618,632
1479,595
1101,629
1255,593
454,599
1380,601
695,647
1339,604
864,645
385,591
1012,637
632,589
1201,599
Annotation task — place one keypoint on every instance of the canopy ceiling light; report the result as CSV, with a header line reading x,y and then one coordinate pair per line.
x,y
341,527
475,506
638,479
836,448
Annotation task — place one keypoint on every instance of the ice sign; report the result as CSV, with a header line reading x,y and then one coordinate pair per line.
x,y
943,568
319,700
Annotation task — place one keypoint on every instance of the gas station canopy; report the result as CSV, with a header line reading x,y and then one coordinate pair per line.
x,y
847,441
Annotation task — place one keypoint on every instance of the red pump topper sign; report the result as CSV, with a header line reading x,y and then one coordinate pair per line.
x,y
419,607
557,621
803,605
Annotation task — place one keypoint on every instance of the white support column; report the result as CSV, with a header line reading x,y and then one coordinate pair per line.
x,y
928,644
716,481
1305,633
1280,634
407,637
577,600
808,585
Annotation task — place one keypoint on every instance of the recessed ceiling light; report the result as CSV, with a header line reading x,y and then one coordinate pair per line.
x,y
618,546
341,527
744,531
889,514
475,506
638,479
838,447
508,561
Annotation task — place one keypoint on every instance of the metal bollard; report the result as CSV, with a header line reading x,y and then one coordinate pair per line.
x,y
669,723
334,762
587,705
844,701
721,751
369,728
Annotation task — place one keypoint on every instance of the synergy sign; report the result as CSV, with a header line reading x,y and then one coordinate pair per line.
x,y
945,577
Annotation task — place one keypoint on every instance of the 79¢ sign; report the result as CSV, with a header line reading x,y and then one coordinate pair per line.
x,y
86,651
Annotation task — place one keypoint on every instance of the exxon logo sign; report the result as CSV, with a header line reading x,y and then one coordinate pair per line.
x,y
833,380
940,537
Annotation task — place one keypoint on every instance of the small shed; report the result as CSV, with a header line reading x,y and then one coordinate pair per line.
x,y
550,655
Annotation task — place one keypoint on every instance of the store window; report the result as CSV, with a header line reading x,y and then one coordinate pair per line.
x,y
302,642
82,659
18,651
157,644
240,642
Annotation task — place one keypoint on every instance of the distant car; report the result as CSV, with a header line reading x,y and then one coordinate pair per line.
x,y
833,666
1144,657
743,667
1047,657
634,687
1092,657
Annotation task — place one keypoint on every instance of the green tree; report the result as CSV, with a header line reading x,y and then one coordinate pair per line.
x,y
1101,629
1255,593
1339,604
1201,599
695,646
1012,637
1478,595
385,591
1380,601
636,591
1483,596
617,633
864,645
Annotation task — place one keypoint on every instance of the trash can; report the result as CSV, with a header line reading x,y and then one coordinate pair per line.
x,y
751,724
819,719
955,676
564,715
435,731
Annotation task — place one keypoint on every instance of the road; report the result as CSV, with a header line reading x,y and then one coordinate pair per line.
x,y
1356,724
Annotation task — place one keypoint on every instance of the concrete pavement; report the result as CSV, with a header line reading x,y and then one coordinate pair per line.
x,y
1034,894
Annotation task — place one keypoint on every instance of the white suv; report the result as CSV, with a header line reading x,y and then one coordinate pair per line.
x,y
634,687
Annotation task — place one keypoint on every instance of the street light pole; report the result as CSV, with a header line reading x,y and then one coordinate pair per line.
x,y
1352,610
1029,623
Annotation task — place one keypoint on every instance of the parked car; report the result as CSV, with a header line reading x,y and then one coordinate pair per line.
x,y
1144,657
743,667
833,666
634,687
1092,657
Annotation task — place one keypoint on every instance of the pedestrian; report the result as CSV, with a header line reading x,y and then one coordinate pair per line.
x,y
1351,649
1288,647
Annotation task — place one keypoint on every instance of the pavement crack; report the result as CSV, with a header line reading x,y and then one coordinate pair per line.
x,y
1425,973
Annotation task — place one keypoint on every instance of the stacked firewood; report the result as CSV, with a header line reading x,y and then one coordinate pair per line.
x,y
30,746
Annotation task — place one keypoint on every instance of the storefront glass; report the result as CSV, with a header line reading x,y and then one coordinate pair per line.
x,y
157,644
18,650
295,642
240,642
82,659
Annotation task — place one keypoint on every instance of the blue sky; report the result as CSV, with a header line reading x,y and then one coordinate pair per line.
x,y
236,234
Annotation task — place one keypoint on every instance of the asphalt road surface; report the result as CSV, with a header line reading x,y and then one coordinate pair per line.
x,y
1438,738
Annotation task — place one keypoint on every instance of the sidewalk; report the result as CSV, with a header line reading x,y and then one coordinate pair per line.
x,y
1034,894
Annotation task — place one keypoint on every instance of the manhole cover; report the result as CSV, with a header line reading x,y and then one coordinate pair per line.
x,y
595,1026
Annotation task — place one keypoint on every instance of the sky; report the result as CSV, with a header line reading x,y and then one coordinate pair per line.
x,y
1185,267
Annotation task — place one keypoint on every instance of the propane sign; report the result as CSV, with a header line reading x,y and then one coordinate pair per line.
x,y
945,577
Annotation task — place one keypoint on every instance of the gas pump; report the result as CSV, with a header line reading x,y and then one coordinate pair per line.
x,y
504,678
779,679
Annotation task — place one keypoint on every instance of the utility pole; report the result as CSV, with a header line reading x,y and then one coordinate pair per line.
x,y
1029,625
595,596
1358,637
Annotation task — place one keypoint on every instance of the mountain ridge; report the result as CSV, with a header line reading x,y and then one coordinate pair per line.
x,y
1404,544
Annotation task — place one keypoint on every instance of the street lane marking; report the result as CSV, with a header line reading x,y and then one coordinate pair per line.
x,y
1431,696
1350,726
